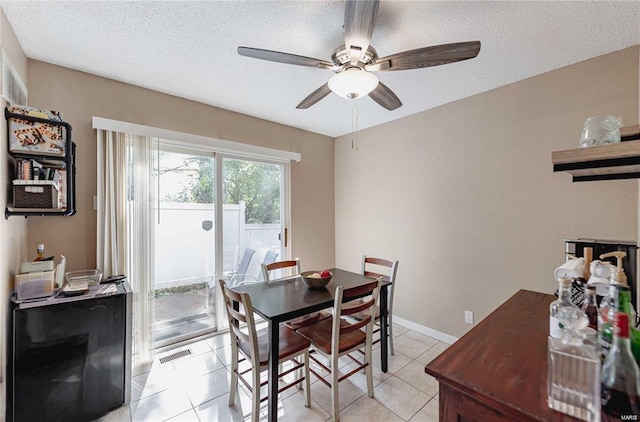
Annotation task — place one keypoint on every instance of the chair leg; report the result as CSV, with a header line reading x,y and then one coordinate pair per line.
x,y
299,374
369,368
255,397
335,375
307,381
390,332
234,376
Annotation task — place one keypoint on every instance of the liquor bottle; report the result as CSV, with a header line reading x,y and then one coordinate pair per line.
x,y
590,306
620,385
563,301
573,382
39,252
621,295
618,299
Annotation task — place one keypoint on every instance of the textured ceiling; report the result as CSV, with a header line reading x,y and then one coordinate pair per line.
x,y
188,49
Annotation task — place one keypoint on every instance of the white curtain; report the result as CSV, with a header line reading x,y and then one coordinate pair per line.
x,y
126,187
111,234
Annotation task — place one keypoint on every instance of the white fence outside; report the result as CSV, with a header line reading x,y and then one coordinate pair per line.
x,y
185,249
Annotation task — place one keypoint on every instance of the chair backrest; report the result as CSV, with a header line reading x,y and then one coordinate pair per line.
x,y
269,257
341,307
245,261
390,276
293,265
242,325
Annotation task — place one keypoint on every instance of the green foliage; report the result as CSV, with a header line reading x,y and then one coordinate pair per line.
x,y
257,184
200,187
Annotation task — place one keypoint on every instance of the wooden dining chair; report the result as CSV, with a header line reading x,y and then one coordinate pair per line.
x,y
269,258
293,267
254,346
390,276
288,267
336,337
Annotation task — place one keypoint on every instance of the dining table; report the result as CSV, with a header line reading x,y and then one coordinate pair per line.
x,y
283,299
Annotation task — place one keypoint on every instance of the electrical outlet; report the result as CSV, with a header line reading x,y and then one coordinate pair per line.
x,y
468,317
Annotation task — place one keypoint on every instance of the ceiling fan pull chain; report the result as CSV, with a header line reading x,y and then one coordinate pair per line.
x,y
357,128
352,126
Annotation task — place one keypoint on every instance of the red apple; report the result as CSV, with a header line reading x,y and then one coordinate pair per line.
x,y
325,273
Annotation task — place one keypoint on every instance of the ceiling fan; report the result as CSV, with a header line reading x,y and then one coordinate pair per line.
x,y
353,62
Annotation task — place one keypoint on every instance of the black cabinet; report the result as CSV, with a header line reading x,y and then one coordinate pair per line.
x,y
70,358
43,165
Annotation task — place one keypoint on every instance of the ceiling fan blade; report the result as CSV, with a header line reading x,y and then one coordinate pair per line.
x,y
384,96
314,97
277,56
427,56
359,21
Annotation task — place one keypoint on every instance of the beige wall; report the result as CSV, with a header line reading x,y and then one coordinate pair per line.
x,y
79,96
13,231
464,195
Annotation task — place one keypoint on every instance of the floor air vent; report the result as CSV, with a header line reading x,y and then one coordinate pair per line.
x,y
175,356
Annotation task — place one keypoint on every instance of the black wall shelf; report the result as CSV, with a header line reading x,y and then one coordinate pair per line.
x,y
67,160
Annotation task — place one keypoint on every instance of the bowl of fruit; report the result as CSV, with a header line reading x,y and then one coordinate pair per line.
x,y
316,279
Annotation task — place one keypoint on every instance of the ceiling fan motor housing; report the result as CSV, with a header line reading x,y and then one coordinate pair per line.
x,y
341,58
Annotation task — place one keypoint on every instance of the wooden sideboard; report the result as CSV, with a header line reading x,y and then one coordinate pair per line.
x,y
498,370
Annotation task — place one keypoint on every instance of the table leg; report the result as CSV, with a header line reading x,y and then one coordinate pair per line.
x,y
383,329
273,371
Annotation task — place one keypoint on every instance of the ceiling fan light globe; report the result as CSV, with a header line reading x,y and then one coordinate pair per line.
x,y
353,83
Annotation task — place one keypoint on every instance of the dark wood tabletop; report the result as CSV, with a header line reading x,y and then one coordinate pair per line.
x,y
288,298
502,362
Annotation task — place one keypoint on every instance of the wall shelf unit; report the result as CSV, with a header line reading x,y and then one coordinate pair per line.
x,y
53,190
604,162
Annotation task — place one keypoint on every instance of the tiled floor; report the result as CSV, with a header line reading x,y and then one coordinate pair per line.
x,y
196,388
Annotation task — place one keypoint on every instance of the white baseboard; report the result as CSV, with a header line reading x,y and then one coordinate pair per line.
x,y
446,338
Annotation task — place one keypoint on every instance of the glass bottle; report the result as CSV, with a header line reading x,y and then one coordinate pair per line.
x,y
608,305
620,386
573,382
622,303
39,252
590,306
563,301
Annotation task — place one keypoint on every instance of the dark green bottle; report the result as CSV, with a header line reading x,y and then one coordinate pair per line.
x,y
623,300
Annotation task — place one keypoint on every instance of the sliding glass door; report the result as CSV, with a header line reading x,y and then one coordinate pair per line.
x,y
192,251
253,217
184,245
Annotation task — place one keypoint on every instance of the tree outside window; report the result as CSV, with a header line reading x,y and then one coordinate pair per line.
x,y
257,184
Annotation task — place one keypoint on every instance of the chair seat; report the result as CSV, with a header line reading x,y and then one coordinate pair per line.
x,y
306,320
290,343
320,336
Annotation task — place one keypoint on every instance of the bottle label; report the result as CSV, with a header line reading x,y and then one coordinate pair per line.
x,y
604,313
555,327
